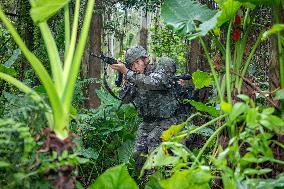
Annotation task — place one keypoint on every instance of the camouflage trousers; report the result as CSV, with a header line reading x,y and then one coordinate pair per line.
x,y
148,137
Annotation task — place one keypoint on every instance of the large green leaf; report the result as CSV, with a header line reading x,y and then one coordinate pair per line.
x,y
201,79
160,156
205,27
115,178
188,179
237,110
204,108
42,10
183,15
229,9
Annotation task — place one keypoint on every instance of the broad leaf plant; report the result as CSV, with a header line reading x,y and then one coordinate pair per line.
x,y
60,84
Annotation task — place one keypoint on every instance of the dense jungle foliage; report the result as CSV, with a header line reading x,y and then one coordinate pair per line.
x,y
62,125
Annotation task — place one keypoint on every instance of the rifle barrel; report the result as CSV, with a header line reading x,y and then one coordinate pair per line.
x,y
182,76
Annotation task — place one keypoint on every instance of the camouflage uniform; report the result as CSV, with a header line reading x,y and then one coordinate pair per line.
x,y
152,93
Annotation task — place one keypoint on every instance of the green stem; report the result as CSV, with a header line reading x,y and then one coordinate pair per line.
x,y
277,10
236,58
207,144
218,43
228,65
21,86
72,75
247,28
67,29
215,75
281,64
71,49
280,54
53,54
277,161
187,133
244,70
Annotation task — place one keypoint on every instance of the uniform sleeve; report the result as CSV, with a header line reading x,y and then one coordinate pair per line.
x,y
160,79
127,93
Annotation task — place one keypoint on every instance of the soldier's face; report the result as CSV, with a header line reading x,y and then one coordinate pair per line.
x,y
139,65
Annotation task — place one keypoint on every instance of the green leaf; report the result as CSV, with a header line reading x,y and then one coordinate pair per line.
x,y
275,29
21,86
229,9
182,15
237,110
188,179
89,153
245,98
204,108
154,182
79,185
247,159
73,111
277,124
115,178
279,95
250,171
229,182
201,79
160,156
226,107
208,25
266,183
252,118
42,10
172,131
40,89
7,70
125,151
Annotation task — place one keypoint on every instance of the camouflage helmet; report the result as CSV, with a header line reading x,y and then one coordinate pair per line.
x,y
134,53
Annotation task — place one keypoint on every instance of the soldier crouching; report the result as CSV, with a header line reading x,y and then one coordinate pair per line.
x,y
150,88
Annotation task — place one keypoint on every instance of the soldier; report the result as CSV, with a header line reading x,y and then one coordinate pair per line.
x,y
150,88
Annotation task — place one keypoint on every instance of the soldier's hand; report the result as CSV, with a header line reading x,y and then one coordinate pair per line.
x,y
119,67
125,81
181,82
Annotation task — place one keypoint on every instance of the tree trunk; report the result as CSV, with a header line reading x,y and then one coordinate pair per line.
x,y
194,52
95,63
144,28
25,28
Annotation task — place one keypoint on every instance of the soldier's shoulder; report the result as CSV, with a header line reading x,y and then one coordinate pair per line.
x,y
167,64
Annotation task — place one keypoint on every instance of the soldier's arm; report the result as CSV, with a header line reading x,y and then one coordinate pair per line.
x,y
158,80
127,93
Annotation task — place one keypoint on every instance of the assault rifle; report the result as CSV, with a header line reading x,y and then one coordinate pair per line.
x,y
111,61
118,81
